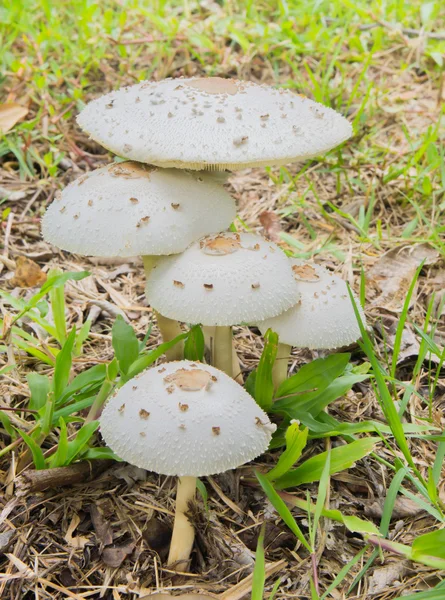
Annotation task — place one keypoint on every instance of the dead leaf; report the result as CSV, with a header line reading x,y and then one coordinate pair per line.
x,y
101,526
10,114
157,535
12,195
392,275
6,540
115,556
271,225
384,577
79,542
130,474
27,273
403,508
409,344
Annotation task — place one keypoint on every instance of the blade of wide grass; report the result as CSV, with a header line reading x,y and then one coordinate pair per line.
x,y
282,509
384,396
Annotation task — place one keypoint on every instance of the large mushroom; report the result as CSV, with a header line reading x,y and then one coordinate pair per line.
x,y
188,420
223,280
322,317
212,123
128,209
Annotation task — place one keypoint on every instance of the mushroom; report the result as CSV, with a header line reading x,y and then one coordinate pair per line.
x,y
188,420
322,318
128,209
226,279
212,123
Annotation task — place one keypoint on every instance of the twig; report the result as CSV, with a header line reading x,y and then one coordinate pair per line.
x,y
19,409
36,481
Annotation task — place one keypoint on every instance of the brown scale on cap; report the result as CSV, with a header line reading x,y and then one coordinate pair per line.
x,y
144,414
134,200
175,205
161,370
305,273
143,221
178,284
191,380
214,85
183,407
208,286
90,203
220,245
255,286
134,388
130,170
240,140
121,408
216,430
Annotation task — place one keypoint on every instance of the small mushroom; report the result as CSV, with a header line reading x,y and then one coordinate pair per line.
x,y
319,319
226,259
147,442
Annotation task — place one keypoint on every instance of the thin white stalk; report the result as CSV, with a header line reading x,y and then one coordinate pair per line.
x,y
183,531
209,333
168,328
280,368
223,350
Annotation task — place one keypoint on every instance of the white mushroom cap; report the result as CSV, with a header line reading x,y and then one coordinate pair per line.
x,y
323,317
223,279
185,419
212,123
128,209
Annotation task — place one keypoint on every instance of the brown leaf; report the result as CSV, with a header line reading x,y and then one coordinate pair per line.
x,y
409,344
403,508
78,542
6,540
157,535
10,114
392,275
27,273
383,577
101,526
115,556
271,225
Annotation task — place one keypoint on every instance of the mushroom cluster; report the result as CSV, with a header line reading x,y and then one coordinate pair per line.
x,y
166,202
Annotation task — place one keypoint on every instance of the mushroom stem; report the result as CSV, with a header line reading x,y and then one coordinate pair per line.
x,y
279,370
209,332
183,531
149,262
169,329
223,349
